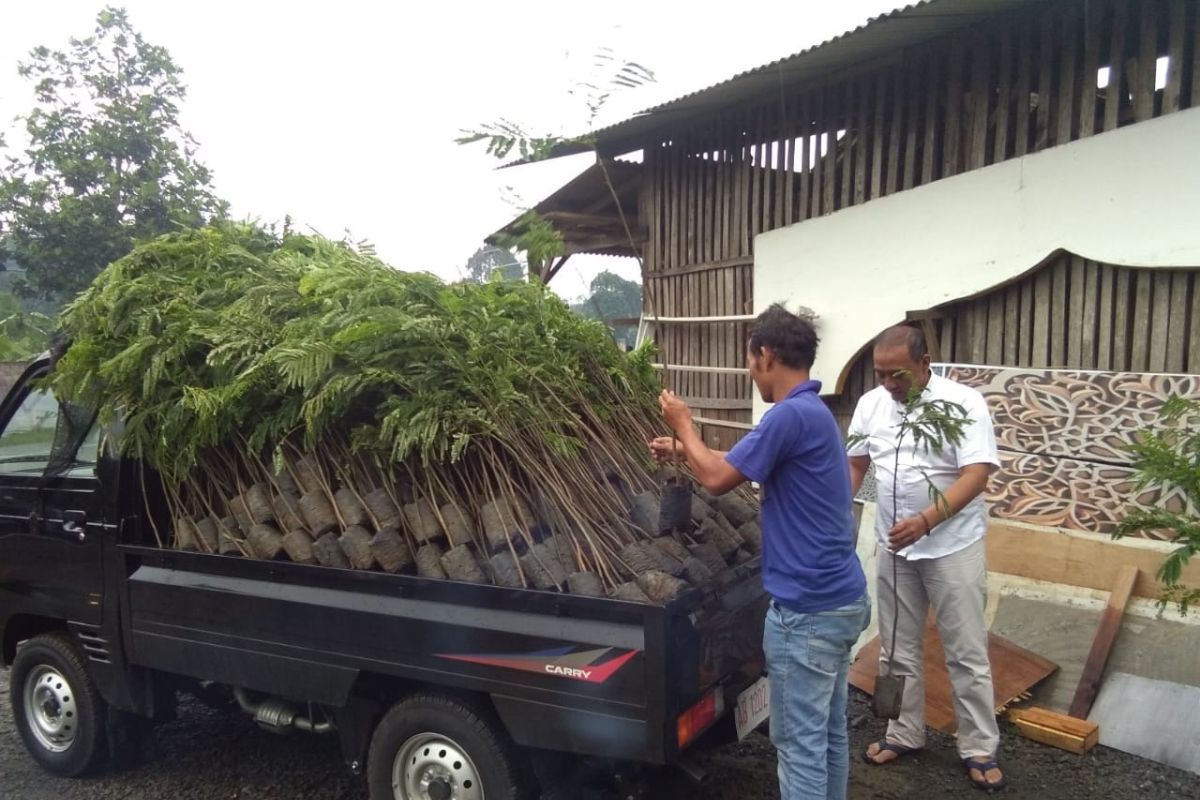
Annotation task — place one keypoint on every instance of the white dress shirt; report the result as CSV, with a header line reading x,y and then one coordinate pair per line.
x,y
878,417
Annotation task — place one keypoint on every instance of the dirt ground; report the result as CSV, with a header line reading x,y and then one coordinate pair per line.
x,y
223,756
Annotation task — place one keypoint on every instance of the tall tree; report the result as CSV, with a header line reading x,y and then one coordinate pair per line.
x,y
107,162
488,259
612,297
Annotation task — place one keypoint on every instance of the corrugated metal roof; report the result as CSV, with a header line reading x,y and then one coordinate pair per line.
x,y
879,37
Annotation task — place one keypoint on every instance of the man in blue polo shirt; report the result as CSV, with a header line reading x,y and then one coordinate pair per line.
x,y
819,596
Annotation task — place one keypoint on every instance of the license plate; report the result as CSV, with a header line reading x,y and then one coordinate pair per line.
x,y
753,706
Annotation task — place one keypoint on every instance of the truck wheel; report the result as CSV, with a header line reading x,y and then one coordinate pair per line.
x,y
56,706
434,747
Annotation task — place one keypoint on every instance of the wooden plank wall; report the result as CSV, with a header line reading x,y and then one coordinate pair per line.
x,y
1016,85
699,265
1071,313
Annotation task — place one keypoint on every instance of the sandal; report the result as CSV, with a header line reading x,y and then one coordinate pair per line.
x,y
885,746
983,767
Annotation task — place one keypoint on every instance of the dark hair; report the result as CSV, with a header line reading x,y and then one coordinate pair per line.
x,y
905,336
792,338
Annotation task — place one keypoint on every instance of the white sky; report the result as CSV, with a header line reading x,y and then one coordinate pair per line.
x,y
344,114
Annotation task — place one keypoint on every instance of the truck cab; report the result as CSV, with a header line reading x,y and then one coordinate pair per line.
x,y
434,688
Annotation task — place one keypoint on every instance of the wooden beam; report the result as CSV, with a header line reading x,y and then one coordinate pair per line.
x,y
1143,92
1066,78
1116,64
587,244
1047,44
1091,66
688,320
583,220
554,268
1024,85
1172,96
723,423
719,403
1055,729
695,368
1004,97
726,263
931,339
1106,634
980,102
1076,560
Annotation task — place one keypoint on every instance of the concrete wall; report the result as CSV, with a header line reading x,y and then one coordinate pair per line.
x,y
1128,198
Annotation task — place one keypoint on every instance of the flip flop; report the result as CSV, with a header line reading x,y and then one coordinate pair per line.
x,y
884,745
983,767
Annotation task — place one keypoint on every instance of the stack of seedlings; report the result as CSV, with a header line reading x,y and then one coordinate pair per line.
x,y
301,400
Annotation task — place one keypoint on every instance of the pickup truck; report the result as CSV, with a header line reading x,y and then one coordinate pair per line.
x,y
436,689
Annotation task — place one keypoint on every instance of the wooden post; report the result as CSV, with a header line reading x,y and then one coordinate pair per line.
x,y
1116,65
1106,634
926,319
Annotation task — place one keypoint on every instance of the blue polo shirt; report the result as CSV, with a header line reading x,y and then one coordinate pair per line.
x,y
796,454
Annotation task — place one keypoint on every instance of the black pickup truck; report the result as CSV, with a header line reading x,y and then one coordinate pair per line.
x,y
436,689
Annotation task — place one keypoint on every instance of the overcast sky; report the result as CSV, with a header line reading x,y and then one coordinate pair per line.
x,y
343,114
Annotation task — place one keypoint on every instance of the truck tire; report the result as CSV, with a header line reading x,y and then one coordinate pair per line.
x,y
56,706
436,747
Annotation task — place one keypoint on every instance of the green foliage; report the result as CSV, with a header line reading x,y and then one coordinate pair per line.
x,y
107,162
226,349
489,261
612,297
212,336
538,240
609,74
1167,457
23,334
503,135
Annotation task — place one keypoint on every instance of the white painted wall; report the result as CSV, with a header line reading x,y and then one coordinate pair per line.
x,y
1128,197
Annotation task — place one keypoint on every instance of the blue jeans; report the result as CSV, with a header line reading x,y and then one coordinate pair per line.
x,y
808,658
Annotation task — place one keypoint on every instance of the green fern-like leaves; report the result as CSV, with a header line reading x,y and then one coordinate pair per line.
x,y
222,337
1167,456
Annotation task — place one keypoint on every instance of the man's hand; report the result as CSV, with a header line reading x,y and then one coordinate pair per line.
x,y
676,412
906,531
665,450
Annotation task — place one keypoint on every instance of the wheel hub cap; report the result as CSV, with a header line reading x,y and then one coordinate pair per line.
x,y
430,766
50,708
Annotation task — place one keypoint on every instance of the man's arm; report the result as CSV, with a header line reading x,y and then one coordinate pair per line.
x,y
709,466
972,479
711,469
666,450
858,472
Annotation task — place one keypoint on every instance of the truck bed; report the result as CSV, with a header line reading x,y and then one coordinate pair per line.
x,y
578,674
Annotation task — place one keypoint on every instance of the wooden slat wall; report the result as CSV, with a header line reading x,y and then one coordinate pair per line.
x,y
1013,86
698,259
1110,318
1083,315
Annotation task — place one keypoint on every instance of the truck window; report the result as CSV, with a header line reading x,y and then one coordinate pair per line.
x,y
28,439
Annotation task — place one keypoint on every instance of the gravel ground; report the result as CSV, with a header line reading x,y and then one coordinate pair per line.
x,y
205,754
224,756
1034,770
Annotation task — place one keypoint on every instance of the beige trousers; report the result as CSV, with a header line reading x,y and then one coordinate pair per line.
x,y
956,587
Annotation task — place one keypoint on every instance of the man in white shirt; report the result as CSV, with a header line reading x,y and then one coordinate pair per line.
x,y
934,548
